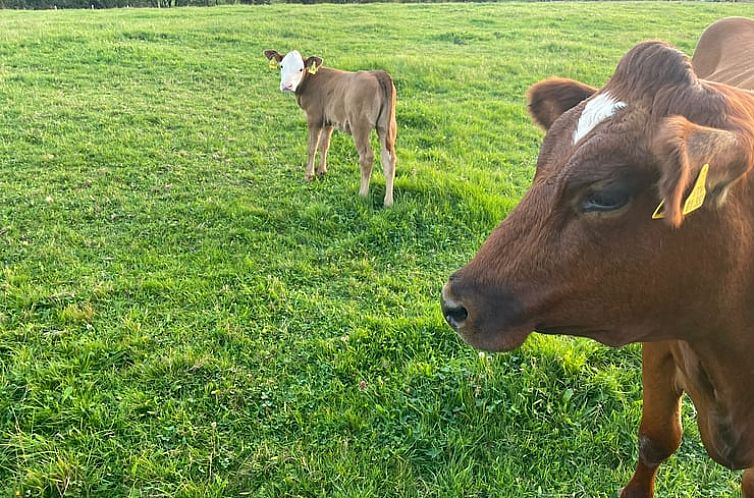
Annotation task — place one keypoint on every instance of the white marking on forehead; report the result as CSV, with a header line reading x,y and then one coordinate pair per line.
x,y
598,109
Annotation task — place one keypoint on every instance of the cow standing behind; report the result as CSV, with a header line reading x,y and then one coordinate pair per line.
x,y
355,103
584,253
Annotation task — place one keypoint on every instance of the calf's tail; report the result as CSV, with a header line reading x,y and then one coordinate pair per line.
x,y
386,118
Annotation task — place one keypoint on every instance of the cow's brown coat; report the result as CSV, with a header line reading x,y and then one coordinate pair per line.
x,y
356,103
684,287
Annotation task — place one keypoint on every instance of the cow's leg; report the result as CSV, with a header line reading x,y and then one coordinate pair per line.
x,y
660,430
314,132
387,154
747,483
366,156
324,146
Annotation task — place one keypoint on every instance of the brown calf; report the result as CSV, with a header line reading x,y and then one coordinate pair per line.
x,y
585,254
356,103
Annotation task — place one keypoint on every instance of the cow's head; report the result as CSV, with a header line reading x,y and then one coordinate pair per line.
x,y
293,68
581,253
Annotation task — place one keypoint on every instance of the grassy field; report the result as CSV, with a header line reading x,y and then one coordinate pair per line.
x,y
181,315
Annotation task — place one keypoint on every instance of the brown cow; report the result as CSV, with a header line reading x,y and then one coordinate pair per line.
x,y
356,103
583,254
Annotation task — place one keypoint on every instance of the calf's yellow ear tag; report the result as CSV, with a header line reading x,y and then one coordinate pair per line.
x,y
313,68
694,201
273,63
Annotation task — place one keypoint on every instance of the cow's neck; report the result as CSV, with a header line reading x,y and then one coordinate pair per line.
x,y
309,87
718,374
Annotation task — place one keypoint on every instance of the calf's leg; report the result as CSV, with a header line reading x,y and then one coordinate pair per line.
x,y
314,132
324,147
366,156
660,429
747,483
387,154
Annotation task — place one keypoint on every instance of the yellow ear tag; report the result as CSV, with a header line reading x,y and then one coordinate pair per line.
x,y
695,199
313,68
273,63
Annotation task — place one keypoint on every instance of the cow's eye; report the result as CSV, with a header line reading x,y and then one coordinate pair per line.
x,y
605,200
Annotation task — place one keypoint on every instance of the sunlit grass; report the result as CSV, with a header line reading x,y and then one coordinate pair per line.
x,y
181,315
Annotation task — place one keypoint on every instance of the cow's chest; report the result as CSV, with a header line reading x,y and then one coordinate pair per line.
x,y
724,414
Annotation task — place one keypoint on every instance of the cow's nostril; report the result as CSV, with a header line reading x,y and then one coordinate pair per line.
x,y
455,316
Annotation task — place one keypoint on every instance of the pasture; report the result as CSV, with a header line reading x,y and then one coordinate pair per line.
x,y
182,316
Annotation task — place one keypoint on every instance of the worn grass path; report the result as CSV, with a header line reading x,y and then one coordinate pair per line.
x,y
181,315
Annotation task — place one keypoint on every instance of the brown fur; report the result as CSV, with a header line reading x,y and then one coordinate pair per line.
x,y
725,51
356,103
683,287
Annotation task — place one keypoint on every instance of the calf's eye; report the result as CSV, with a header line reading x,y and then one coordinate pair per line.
x,y
604,201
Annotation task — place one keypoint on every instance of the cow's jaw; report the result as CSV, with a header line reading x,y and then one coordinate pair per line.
x,y
496,343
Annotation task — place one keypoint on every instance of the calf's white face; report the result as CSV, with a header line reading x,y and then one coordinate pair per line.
x,y
291,71
292,68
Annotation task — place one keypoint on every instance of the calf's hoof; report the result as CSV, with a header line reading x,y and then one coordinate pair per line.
x,y
321,172
308,178
388,203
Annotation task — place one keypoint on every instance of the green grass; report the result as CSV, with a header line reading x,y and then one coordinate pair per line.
x,y
181,315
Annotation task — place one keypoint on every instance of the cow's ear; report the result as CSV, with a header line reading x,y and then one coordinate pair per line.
x,y
552,97
273,54
682,148
313,61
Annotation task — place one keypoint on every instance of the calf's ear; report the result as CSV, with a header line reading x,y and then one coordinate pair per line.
x,y
682,148
273,54
552,97
313,61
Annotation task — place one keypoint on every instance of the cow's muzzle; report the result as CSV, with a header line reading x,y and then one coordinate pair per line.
x,y
455,314
488,318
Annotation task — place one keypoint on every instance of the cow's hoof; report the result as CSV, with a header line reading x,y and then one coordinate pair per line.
x,y
308,178
388,204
